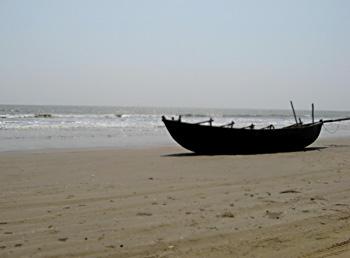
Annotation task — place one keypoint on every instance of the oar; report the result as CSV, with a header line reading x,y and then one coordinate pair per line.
x,y
336,120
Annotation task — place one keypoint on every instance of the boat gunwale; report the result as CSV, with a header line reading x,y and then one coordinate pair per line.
x,y
289,127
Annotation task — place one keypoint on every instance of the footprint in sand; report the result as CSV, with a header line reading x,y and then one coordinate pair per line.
x,y
273,215
226,214
144,214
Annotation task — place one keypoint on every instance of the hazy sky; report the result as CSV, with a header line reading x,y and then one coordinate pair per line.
x,y
231,54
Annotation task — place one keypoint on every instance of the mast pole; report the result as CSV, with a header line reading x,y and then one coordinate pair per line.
x,y
295,116
313,113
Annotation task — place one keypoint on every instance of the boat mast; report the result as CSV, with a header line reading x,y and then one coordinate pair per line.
x,y
295,116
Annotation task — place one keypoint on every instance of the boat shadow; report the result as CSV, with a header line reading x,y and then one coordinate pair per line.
x,y
192,154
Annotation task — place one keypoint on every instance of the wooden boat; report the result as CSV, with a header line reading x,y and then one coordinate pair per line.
x,y
209,139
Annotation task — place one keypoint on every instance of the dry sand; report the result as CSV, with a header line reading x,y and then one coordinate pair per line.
x,y
145,203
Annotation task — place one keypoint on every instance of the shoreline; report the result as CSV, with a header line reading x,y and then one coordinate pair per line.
x,y
169,144
167,202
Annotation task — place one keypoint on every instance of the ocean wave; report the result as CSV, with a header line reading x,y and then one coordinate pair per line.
x,y
63,116
194,115
280,116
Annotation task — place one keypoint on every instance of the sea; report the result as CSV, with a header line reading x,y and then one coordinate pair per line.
x,y
26,127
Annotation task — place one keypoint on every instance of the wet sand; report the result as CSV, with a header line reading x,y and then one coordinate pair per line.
x,y
165,202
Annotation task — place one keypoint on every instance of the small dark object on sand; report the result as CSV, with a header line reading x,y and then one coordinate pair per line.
x,y
144,214
227,214
289,191
273,215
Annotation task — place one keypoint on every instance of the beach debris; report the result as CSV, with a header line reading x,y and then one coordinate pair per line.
x,y
121,246
289,191
50,226
188,212
2,246
171,246
85,238
110,246
144,214
150,178
226,214
3,223
18,245
171,198
63,239
154,203
8,232
273,215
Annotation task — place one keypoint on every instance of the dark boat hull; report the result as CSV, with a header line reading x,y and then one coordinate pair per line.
x,y
204,139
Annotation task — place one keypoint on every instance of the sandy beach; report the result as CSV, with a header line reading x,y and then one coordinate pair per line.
x,y
166,202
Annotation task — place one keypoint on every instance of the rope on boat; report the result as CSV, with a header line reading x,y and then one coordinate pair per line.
x,y
330,131
332,121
